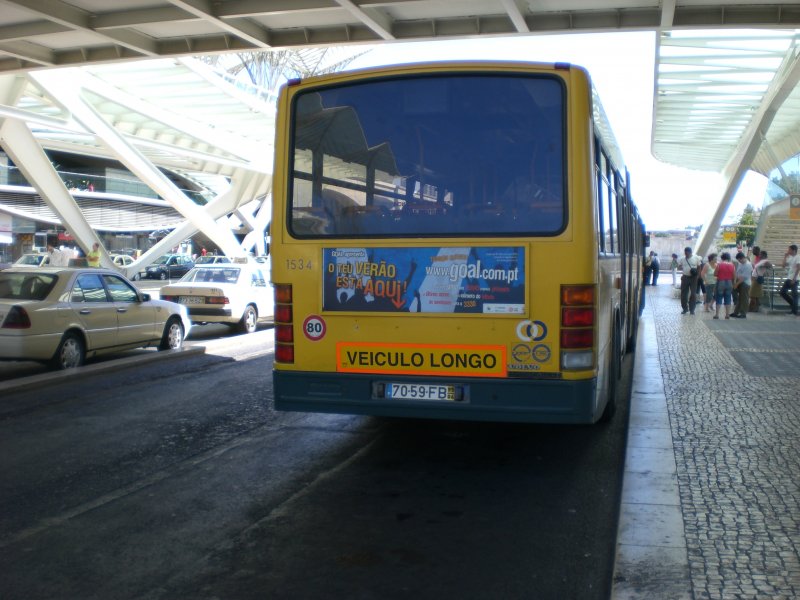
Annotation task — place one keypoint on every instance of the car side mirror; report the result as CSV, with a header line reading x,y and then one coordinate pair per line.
x,y
146,297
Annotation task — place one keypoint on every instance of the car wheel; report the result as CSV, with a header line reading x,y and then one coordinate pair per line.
x,y
173,335
71,352
136,277
249,322
162,276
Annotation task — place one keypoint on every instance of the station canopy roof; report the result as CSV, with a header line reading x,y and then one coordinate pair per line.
x,y
709,87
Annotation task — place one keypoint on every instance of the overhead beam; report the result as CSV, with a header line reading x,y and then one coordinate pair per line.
x,y
246,30
516,16
376,21
73,18
667,13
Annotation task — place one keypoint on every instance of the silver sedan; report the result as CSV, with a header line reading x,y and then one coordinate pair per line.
x,y
62,316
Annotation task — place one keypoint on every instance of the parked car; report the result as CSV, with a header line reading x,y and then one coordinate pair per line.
x,y
63,315
237,294
32,260
122,260
169,266
211,259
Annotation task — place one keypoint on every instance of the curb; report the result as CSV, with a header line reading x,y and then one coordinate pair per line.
x,y
54,377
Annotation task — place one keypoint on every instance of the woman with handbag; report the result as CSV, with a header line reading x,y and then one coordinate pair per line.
x,y
709,277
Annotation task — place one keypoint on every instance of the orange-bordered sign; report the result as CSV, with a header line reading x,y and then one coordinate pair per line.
x,y
421,359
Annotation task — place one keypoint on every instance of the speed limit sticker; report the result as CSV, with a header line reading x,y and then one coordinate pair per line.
x,y
314,328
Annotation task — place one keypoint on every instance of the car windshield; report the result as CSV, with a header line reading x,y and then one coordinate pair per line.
x,y
29,259
25,286
221,274
161,260
204,260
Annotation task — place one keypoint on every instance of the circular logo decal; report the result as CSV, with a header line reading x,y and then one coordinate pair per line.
x,y
314,328
531,331
541,353
521,353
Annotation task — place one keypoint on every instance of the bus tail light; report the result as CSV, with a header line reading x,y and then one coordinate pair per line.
x,y
284,324
577,317
578,311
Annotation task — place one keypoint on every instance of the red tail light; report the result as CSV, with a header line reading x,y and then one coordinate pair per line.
x,y
284,354
577,338
284,334
283,313
217,300
577,317
17,318
284,324
578,312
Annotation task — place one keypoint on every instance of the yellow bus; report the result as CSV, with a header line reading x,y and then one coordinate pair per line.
x,y
452,240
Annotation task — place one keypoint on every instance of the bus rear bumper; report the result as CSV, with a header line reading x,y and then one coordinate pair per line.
x,y
509,400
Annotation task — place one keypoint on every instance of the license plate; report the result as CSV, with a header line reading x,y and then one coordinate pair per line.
x,y
420,391
191,299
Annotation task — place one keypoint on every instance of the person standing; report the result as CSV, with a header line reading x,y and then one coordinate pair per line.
x,y
760,267
93,257
648,268
690,269
709,276
56,257
656,266
744,272
726,273
789,289
673,266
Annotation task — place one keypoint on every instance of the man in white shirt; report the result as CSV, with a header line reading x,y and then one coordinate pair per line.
x,y
57,257
789,289
690,267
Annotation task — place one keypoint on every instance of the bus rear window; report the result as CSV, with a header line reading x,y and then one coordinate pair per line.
x,y
458,155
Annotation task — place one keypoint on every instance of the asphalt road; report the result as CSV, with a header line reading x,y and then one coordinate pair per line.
x,y
176,479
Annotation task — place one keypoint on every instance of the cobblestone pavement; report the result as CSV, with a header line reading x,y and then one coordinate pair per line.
x,y
733,397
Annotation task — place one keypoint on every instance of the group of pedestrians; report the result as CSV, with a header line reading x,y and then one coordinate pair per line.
x,y
61,257
738,286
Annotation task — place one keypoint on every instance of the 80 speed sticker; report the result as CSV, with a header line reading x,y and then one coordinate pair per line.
x,y
314,327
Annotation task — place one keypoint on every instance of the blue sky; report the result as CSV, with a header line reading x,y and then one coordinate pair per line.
x,y
622,68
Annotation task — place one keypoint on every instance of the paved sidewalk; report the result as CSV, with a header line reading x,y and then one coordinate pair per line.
x,y
711,498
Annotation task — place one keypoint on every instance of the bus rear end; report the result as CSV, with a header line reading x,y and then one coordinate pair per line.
x,y
434,251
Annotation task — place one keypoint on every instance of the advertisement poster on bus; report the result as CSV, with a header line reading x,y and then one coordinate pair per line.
x,y
481,280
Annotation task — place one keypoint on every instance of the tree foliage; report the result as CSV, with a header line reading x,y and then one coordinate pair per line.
x,y
746,228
